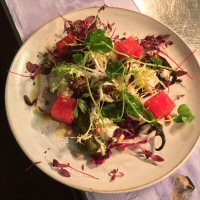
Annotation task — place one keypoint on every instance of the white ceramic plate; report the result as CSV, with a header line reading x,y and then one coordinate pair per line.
x,y
36,136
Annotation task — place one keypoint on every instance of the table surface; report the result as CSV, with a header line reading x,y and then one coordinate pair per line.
x,y
15,183
180,15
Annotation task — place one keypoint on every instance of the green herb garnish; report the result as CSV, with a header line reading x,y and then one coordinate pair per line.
x,y
156,61
82,105
137,109
98,41
112,111
86,95
115,69
58,76
78,57
185,114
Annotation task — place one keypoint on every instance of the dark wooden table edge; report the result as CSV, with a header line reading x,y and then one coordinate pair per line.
x,y
77,194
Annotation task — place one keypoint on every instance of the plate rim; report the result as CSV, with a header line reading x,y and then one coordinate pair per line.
x,y
30,157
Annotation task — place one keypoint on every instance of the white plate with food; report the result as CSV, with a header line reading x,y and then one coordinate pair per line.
x,y
105,100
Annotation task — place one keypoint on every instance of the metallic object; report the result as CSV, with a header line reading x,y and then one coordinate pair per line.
x,y
183,188
182,16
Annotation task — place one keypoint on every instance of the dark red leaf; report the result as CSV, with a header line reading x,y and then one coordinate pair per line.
x,y
157,158
114,171
180,73
179,96
123,145
102,8
131,124
99,159
59,165
90,19
113,177
32,68
55,163
82,166
127,134
28,101
147,153
64,172
151,43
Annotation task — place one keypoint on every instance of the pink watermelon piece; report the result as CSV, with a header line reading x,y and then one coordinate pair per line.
x,y
63,109
129,46
160,105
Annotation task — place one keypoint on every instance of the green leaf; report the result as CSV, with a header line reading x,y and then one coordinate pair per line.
x,y
136,108
134,102
86,95
76,112
95,85
156,61
98,41
82,105
89,146
112,111
65,69
82,123
185,114
78,58
149,115
115,69
58,76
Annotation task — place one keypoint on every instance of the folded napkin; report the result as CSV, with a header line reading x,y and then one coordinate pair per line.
x,y
30,15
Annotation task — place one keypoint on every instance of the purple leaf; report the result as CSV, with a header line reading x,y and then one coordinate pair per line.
x,y
82,166
57,164
151,42
180,73
102,8
80,28
115,173
157,158
131,124
99,159
61,166
64,172
147,153
32,68
123,145
113,177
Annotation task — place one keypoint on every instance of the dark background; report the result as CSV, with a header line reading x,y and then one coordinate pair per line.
x,y
15,183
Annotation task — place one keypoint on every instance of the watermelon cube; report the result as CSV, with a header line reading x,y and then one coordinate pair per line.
x,y
63,109
160,105
129,46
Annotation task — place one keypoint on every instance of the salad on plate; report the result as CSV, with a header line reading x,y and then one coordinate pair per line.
x,y
108,91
